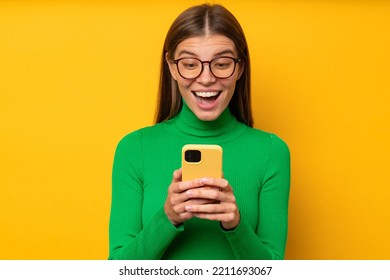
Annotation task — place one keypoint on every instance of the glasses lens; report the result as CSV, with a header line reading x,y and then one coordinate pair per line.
x,y
189,68
223,67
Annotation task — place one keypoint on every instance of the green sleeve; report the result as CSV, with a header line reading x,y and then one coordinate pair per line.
x,y
269,239
129,238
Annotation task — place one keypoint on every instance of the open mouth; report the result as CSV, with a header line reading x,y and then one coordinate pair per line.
x,y
206,97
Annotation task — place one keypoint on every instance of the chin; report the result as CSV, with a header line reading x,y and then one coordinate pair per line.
x,y
209,116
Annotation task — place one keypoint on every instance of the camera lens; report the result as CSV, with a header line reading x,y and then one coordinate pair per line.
x,y
192,156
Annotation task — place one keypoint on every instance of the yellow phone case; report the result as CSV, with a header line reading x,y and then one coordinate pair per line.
x,y
210,164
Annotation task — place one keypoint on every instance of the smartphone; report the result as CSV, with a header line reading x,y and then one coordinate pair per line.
x,y
201,161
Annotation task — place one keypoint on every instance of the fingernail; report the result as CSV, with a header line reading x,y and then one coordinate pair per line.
x,y
189,193
188,207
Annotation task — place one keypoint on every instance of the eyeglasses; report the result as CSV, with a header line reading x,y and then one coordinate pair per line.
x,y
221,67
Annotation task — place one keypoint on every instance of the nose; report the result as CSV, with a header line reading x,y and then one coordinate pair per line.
x,y
206,76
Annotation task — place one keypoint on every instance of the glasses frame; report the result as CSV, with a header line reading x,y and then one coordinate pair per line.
x,y
236,60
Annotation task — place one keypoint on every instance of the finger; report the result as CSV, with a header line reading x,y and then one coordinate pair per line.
x,y
220,183
222,217
176,179
186,216
211,208
205,193
181,207
177,198
186,185
201,201
181,197
211,193
176,176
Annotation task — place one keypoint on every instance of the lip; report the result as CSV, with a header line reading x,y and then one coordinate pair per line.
x,y
207,104
206,90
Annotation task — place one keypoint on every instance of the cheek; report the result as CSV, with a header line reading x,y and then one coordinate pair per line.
x,y
230,84
183,84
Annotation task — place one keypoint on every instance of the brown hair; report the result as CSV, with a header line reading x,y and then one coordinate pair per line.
x,y
194,22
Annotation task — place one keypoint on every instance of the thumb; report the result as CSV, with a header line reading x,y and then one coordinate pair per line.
x,y
176,176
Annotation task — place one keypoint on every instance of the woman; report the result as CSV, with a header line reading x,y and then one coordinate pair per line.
x,y
204,98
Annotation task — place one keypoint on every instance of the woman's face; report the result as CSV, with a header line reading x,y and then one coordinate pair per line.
x,y
206,95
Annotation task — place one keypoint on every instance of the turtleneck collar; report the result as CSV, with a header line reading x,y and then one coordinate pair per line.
x,y
187,124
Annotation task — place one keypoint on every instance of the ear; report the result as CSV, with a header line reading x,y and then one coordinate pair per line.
x,y
172,67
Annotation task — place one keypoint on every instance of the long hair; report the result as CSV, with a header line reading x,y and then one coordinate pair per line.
x,y
194,22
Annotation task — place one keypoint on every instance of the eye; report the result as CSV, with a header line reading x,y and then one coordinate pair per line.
x,y
189,63
222,63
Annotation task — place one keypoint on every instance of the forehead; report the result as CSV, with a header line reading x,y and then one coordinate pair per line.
x,y
208,45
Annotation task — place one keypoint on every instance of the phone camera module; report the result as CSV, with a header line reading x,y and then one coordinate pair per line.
x,y
192,156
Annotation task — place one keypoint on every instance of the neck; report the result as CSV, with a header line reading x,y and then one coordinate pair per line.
x,y
187,124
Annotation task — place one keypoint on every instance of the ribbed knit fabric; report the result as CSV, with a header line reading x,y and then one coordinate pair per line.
x,y
256,164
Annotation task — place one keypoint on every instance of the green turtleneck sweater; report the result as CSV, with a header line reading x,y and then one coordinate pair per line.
x,y
256,164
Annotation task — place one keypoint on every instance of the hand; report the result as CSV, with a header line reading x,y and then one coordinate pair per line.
x,y
177,199
226,211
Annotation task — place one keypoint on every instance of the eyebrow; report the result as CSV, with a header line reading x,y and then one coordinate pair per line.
x,y
224,52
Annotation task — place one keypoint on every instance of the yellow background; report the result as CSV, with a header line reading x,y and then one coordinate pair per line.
x,y
76,76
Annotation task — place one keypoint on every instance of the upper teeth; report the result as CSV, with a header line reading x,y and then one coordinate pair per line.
x,y
206,94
